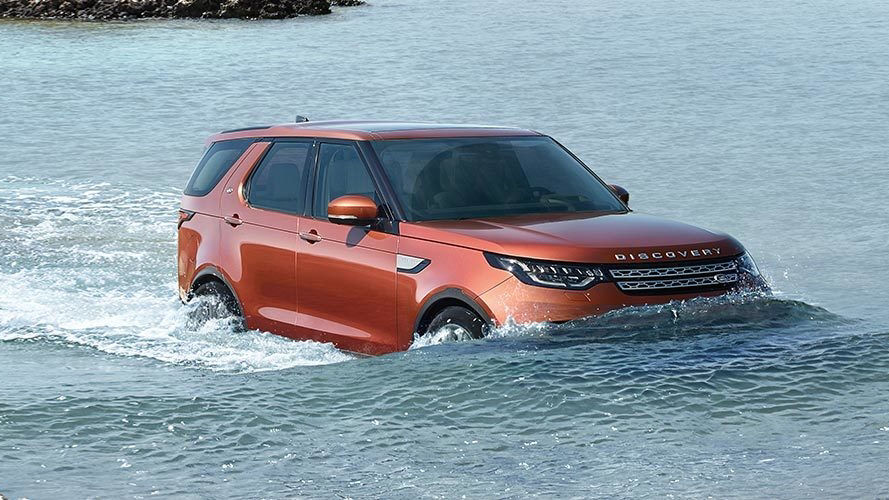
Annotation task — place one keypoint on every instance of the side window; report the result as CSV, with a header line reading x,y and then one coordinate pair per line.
x,y
277,183
218,159
340,172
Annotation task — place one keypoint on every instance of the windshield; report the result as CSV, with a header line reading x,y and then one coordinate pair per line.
x,y
469,178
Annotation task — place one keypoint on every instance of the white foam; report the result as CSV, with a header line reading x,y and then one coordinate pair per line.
x,y
510,329
147,326
87,269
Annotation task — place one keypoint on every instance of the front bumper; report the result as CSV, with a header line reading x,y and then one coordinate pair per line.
x,y
515,301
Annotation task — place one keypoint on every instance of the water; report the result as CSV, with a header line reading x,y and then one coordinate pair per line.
x,y
765,120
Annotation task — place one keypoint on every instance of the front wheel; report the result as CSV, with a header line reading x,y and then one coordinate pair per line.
x,y
457,323
214,301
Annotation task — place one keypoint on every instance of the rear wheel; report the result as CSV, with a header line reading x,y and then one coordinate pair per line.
x,y
457,323
215,301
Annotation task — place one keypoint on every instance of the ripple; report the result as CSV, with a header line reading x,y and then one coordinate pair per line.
x,y
626,402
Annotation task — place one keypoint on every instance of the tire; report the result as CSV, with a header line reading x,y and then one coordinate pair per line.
x,y
215,301
460,321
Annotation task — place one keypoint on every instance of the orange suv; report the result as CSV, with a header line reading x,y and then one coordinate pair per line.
x,y
366,234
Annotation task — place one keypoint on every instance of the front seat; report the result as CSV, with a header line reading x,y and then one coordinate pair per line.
x,y
437,186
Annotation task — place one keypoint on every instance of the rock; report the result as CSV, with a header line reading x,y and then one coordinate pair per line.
x,y
140,9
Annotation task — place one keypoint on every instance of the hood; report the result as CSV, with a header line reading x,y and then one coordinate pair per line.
x,y
581,237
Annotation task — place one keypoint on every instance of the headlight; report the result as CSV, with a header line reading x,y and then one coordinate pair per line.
x,y
549,274
747,265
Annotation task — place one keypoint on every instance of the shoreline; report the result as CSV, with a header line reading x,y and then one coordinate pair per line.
x,y
133,10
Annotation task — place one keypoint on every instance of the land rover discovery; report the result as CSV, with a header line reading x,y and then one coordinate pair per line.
x,y
365,234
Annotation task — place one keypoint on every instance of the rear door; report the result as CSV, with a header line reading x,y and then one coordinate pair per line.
x,y
345,274
261,206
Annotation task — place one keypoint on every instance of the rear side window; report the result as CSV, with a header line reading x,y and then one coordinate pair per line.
x,y
218,159
277,183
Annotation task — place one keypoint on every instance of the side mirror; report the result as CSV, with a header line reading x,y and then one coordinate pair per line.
x,y
621,193
352,210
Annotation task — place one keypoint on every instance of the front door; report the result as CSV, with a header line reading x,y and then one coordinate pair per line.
x,y
345,274
259,235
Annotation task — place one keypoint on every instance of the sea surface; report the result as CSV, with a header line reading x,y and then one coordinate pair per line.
x,y
767,120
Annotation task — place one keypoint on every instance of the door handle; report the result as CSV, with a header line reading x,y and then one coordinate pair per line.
x,y
233,220
312,236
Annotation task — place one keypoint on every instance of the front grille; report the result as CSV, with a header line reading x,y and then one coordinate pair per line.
x,y
684,277
719,279
665,272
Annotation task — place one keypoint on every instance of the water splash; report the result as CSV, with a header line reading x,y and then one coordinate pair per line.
x,y
148,326
90,264
743,311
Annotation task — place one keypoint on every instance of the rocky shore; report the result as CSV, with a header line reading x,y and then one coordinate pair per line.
x,y
104,10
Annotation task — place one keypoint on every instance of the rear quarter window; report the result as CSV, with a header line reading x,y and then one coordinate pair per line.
x,y
218,159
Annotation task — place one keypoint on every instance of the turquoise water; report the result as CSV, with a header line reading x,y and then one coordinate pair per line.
x,y
768,121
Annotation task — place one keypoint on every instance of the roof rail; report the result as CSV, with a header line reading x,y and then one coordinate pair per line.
x,y
245,128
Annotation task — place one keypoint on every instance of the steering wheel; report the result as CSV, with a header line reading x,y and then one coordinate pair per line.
x,y
553,199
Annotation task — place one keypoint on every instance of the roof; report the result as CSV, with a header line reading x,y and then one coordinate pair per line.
x,y
371,130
